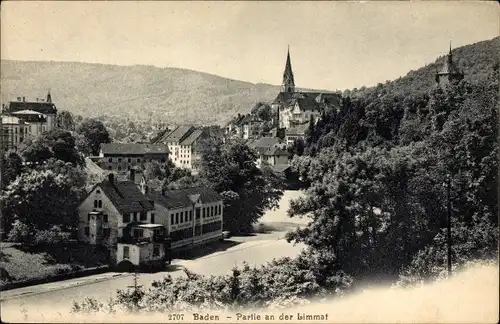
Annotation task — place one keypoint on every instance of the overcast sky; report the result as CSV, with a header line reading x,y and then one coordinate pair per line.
x,y
333,45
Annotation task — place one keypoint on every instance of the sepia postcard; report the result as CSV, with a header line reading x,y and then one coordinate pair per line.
x,y
249,161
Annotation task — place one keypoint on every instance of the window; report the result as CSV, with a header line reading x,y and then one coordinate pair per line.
x,y
144,216
98,191
119,168
126,252
134,216
171,219
190,215
88,217
105,218
129,160
152,218
156,250
95,203
177,218
87,231
211,210
198,212
182,217
100,204
110,160
119,159
105,233
126,218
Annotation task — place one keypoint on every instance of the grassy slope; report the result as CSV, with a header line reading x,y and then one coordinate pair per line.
x,y
23,263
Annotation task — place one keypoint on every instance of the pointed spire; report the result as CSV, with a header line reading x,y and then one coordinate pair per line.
x,y
288,80
49,97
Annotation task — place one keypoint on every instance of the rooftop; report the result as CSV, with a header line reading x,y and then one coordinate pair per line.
x,y
40,107
133,148
125,196
173,199
178,134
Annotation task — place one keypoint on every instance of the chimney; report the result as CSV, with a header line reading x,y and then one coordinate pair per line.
x,y
111,177
36,99
24,99
18,98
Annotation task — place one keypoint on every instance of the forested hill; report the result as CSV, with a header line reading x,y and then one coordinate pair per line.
x,y
476,60
140,92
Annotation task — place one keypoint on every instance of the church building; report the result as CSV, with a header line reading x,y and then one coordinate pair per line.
x,y
293,108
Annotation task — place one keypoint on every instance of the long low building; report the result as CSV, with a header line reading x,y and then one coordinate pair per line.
x,y
125,156
143,227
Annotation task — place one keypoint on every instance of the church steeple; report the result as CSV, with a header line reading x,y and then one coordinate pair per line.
x,y
49,97
288,81
449,72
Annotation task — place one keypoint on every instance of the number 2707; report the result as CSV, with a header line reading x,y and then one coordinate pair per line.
x,y
175,317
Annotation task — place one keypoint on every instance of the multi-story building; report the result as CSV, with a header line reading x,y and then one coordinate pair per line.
x,y
44,107
192,216
116,215
293,107
125,156
271,151
184,145
14,131
295,132
251,126
234,127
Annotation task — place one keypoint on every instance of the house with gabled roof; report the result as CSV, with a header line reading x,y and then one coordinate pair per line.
x,y
117,215
183,143
41,106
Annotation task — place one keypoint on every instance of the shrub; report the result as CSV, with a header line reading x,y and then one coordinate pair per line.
x,y
53,236
20,233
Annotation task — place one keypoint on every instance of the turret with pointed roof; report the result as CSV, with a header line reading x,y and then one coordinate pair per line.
x,y
288,81
449,72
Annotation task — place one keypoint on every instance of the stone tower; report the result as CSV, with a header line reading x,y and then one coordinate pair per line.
x,y
449,72
288,85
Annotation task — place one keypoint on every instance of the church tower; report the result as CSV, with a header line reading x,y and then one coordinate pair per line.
x,y
449,72
288,85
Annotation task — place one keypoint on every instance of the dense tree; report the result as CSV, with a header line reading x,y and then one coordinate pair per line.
x,y
57,143
230,169
65,120
95,133
41,199
12,166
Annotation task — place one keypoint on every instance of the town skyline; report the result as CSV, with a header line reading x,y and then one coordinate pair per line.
x,y
189,36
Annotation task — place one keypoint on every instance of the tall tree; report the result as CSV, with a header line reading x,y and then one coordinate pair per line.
x,y
230,168
95,133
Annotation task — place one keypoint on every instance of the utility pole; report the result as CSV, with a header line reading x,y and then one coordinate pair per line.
x,y
137,293
448,230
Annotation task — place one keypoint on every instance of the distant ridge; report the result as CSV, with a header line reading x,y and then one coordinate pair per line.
x,y
177,95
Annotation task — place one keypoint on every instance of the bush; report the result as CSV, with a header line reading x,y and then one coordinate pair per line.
x,y
53,236
20,233
280,283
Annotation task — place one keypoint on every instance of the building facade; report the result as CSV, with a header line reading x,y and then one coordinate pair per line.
x,y
119,157
292,107
116,215
191,216
14,131
184,143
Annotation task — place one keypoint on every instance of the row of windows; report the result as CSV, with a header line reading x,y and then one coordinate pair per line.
x,y
129,160
212,227
179,218
138,216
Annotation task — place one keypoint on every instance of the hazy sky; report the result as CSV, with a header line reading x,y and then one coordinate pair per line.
x,y
333,45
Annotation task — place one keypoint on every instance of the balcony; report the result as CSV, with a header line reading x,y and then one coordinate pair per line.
x,y
142,240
